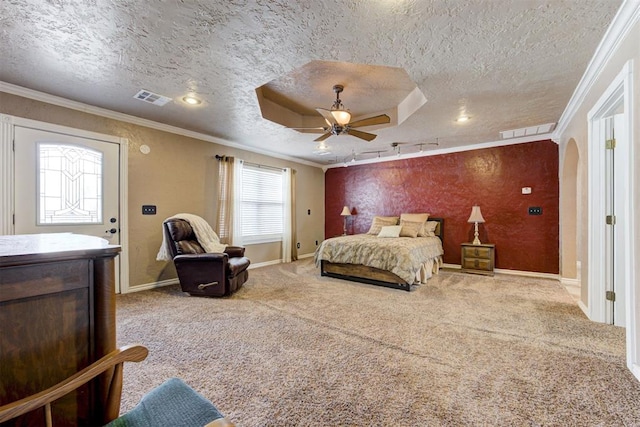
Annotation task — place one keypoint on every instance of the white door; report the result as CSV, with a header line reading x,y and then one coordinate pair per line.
x,y
621,223
66,183
614,248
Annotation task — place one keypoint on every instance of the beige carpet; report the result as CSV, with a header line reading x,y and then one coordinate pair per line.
x,y
292,348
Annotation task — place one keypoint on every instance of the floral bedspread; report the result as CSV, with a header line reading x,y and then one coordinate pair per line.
x,y
403,256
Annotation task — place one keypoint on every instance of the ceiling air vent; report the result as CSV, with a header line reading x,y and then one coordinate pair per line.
x,y
533,130
151,98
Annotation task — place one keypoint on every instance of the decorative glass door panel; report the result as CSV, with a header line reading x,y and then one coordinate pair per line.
x,y
70,180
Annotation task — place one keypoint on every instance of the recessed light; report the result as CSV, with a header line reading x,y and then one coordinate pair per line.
x,y
462,119
192,100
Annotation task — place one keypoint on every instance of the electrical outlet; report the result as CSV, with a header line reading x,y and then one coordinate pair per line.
x,y
298,245
535,210
308,211
148,209
316,243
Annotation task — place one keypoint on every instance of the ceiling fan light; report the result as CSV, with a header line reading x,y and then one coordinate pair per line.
x,y
342,117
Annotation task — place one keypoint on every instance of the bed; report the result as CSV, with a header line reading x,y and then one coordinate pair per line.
x,y
398,262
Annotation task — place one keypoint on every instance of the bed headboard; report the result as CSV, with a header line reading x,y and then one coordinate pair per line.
x,y
440,228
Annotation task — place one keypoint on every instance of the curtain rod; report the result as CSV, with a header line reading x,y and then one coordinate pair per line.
x,y
257,165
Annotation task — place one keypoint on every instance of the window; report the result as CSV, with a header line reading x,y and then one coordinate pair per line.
x,y
69,185
262,204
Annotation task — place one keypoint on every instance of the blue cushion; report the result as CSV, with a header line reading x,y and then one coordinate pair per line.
x,y
171,404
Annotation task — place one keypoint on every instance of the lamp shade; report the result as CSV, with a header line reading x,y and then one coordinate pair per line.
x,y
342,117
345,211
476,215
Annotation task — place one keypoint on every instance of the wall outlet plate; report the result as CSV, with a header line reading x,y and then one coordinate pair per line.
x,y
148,209
535,210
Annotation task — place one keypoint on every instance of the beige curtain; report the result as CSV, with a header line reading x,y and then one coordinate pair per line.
x,y
224,220
294,237
289,240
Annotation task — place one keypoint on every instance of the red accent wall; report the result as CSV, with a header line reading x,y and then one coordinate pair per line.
x,y
448,185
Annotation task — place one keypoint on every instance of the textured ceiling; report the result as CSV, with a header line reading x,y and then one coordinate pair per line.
x,y
507,64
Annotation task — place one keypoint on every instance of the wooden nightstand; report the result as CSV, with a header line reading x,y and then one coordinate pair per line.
x,y
478,259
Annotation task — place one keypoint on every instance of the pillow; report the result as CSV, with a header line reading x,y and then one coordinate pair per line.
x,y
390,231
430,228
380,221
416,217
410,228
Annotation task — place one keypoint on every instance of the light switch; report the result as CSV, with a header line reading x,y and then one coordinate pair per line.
x,y
526,190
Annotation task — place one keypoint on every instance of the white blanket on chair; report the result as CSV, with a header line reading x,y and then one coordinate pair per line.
x,y
208,238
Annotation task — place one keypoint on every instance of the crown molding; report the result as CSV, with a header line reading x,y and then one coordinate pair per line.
x,y
110,114
626,17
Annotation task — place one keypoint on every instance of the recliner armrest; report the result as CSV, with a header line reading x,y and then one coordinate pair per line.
x,y
197,258
234,251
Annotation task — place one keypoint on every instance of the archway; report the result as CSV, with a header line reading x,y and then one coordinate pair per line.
x,y
569,256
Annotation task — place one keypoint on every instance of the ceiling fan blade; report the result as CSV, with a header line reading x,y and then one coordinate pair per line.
x,y
327,115
310,130
375,120
323,137
362,135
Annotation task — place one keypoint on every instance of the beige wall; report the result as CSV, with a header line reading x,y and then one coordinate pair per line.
x,y
178,175
575,247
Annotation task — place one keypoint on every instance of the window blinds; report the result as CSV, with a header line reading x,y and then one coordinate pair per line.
x,y
262,204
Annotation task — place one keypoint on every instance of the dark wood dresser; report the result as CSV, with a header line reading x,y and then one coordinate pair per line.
x,y
57,315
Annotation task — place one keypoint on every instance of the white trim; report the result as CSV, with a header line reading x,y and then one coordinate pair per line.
x,y
584,309
264,264
152,285
512,272
6,175
124,215
622,23
437,152
103,112
528,274
161,283
569,282
6,190
310,255
619,90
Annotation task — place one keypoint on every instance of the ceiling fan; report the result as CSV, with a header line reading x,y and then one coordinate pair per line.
x,y
339,122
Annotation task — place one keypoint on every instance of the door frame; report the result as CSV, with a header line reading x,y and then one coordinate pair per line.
x,y
7,167
619,91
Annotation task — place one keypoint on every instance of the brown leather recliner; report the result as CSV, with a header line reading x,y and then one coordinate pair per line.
x,y
201,273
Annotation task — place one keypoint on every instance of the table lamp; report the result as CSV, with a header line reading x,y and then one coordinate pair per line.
x,y
345,213
476,217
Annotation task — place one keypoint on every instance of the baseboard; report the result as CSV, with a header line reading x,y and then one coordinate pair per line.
x,y
152,285
277,261
452,266
570,282
635,370
512,272
584,309
306,255
168,282
264,264
528,274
